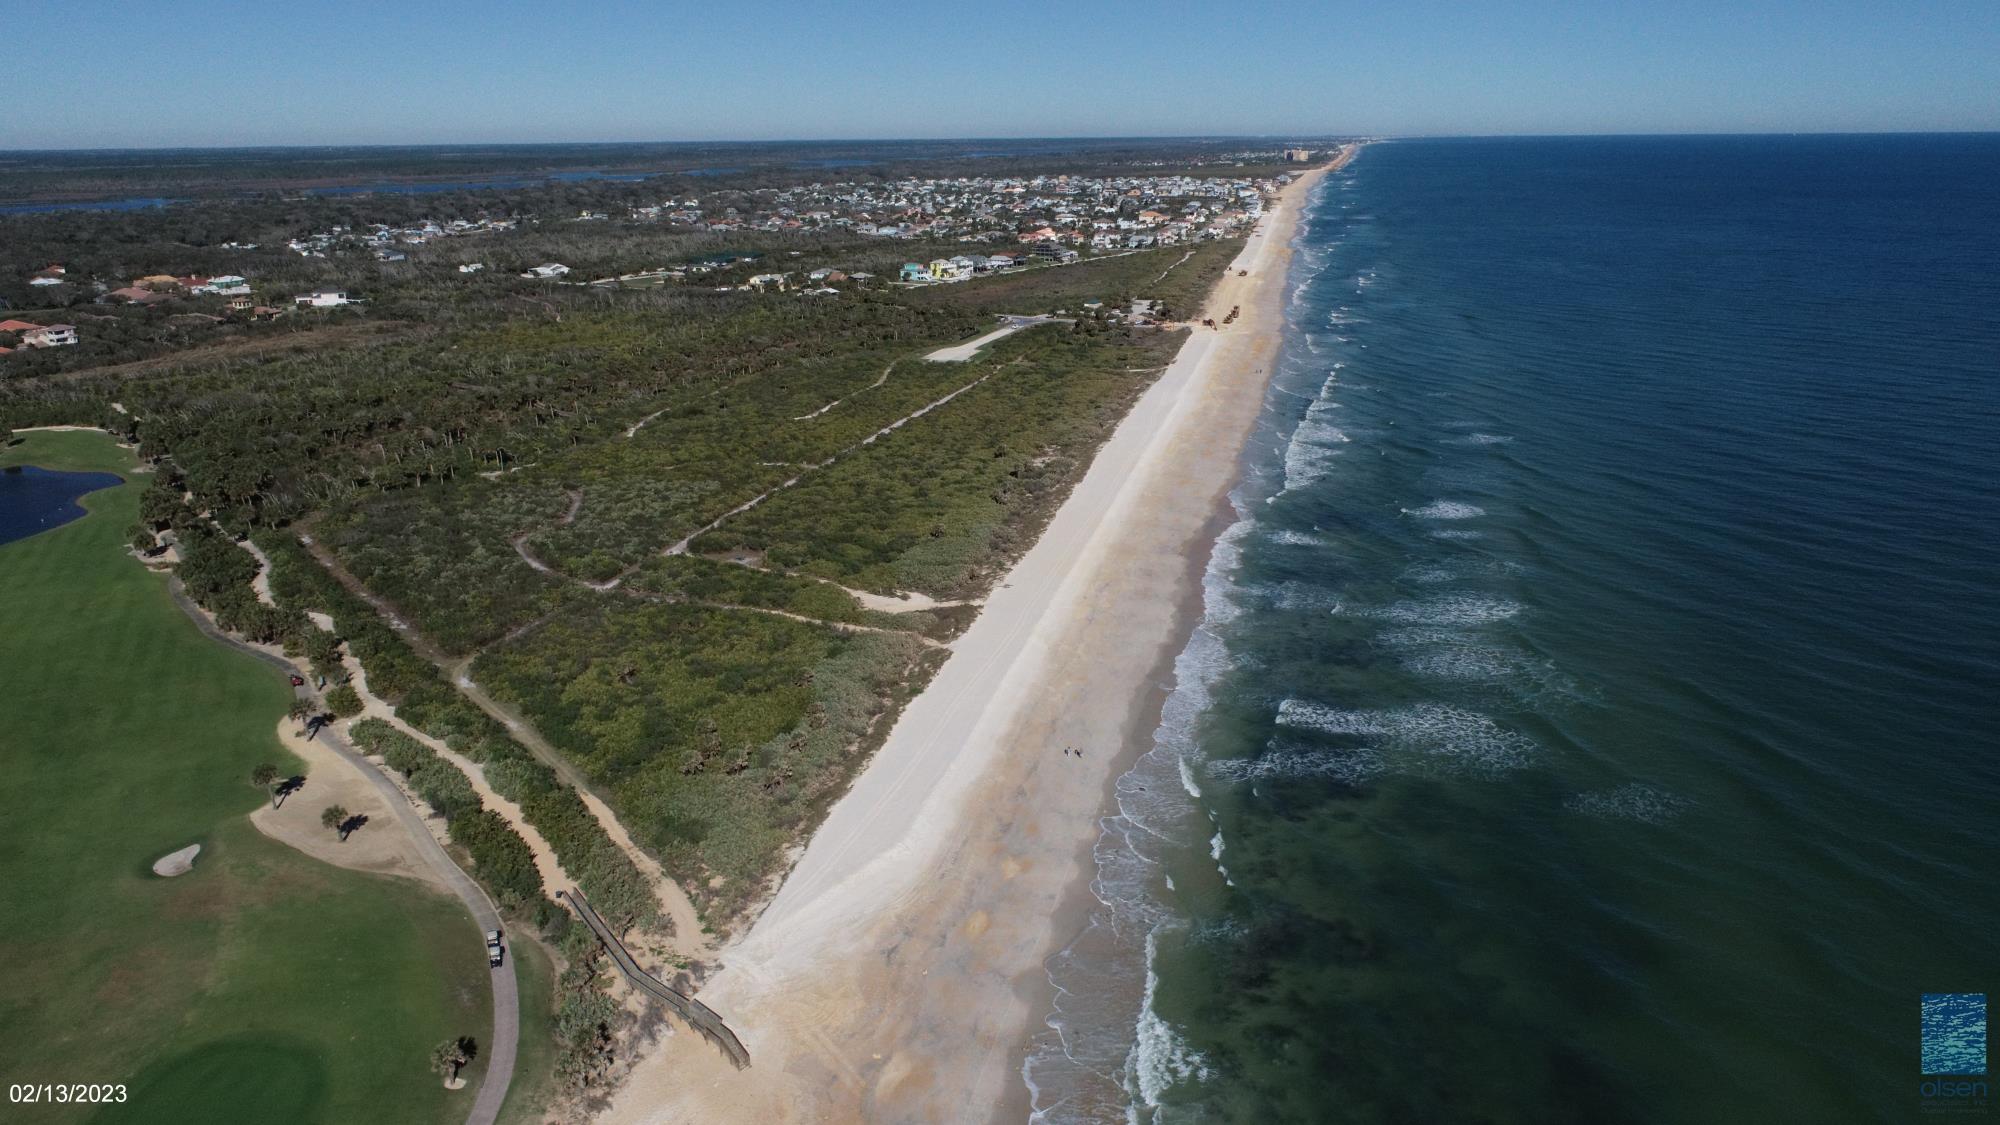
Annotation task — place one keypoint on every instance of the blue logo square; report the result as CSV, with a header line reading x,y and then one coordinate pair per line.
x,y
1954,1033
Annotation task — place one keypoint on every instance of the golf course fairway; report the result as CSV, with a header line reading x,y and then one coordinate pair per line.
x,y
261,986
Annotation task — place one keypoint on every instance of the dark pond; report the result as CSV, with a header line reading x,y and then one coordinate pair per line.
x,y
34,500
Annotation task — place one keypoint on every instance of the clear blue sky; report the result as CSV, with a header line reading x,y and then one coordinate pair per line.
x,y
196,72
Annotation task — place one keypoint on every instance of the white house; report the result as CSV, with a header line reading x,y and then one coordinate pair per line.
x,y
472,267
547,271
228,285
51,336
323,298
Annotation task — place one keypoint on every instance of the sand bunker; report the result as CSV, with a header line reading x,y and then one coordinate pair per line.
x,y
176,863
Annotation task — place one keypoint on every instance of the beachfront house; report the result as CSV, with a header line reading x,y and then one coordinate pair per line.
x,y
914,272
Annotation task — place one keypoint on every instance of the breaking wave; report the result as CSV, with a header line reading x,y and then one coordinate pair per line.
x,y
1446,510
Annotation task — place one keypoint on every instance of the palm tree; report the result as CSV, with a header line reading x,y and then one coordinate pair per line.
x,y
335,817
263,776
448,1057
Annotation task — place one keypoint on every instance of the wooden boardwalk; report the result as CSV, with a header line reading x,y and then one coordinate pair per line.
x,y
693,1012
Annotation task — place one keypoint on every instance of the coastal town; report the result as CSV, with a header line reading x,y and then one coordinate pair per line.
x,y
990,224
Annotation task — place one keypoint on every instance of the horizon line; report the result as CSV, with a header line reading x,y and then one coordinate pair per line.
x,y
1154,137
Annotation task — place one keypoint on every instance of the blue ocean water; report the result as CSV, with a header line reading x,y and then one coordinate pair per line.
x,y
1954,1032
34,500
1597,713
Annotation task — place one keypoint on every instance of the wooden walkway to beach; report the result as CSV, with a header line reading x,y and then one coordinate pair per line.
x,y
696,1014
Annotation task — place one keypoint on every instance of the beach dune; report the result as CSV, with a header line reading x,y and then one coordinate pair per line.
x,y
897,975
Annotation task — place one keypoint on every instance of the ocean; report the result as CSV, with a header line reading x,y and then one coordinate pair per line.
x,y
1596,714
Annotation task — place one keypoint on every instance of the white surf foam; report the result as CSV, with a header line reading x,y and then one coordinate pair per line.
x,y
1446,510
1351,766
1160,1059
1432,731
1450,609
1647,804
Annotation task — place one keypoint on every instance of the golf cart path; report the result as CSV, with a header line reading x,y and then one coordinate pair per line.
x,y
506,990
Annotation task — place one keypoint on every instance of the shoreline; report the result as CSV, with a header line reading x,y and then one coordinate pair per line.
x,y
898,973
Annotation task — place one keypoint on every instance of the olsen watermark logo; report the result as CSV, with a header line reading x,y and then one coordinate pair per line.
x,y
1954,1053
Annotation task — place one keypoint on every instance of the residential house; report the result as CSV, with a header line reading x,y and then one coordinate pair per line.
x,y
133,295
547,271
227,285
914,272
51,336
472,267
323,299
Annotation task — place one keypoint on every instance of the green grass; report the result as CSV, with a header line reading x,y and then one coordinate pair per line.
x,y
264,985
535,1067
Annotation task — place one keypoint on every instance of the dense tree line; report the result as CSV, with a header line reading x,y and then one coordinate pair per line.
x,y
500,858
